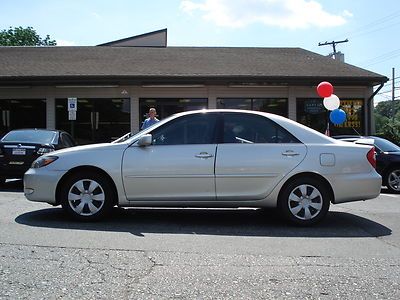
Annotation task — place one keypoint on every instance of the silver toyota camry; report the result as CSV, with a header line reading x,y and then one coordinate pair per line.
x,y
209,158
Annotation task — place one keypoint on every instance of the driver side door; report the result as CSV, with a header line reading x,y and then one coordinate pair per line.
x,y
178,165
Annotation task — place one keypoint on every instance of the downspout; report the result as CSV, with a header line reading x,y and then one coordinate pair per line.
x,y
369,101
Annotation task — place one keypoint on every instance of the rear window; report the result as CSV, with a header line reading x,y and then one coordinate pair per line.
x,y
386,146
30,136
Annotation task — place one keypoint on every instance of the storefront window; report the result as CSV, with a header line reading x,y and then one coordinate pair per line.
x,y
354,124
169,106
22,113
277,106
97,120
312,113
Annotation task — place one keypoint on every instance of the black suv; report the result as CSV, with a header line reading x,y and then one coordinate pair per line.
x,y
387,159
19,148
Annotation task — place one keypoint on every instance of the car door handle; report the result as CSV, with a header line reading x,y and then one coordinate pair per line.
x,y
290,153
204,155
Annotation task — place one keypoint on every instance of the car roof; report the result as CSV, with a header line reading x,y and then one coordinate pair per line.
x,y
36,129
303,133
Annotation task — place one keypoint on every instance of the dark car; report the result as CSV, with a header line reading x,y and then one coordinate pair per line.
x,y
387,159
19,148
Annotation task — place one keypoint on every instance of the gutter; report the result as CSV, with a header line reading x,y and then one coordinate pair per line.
x,y
370,113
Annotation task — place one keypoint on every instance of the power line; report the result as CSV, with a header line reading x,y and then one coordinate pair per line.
x,y
372,24
381,58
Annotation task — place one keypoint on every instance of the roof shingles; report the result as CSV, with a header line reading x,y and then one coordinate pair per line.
x,y
181,62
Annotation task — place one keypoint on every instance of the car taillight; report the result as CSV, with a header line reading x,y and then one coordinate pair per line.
x,y
371,157
42,150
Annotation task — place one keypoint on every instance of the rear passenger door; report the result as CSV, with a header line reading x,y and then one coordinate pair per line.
x,y
255,153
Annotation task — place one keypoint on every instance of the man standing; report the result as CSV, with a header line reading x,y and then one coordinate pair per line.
x,y
151,120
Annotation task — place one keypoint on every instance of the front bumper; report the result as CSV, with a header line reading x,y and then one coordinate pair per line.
x,y
40,185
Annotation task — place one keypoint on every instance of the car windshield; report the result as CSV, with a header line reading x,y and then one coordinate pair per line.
x,y
130,136
122,138
29,136
386,146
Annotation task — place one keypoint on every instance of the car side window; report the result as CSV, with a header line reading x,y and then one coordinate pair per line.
x,y
190,129
249,129
66,140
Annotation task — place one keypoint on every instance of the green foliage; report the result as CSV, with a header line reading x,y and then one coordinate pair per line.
x,y
19,36
387,124
391,131
385,108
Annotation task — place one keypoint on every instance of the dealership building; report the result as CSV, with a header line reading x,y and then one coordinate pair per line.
x,y
115,84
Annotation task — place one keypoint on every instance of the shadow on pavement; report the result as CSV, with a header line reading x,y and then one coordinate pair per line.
x,y
384,190
221,222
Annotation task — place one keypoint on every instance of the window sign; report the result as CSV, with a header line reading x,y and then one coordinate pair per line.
x,y
314,106
312,113
72,104
353,109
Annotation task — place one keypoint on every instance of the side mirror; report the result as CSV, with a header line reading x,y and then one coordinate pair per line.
x,y
145,140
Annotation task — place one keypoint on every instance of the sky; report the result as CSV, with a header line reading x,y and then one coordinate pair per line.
x,y
371,27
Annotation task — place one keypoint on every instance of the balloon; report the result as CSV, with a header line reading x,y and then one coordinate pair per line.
x,y
324,89
332,102
337,116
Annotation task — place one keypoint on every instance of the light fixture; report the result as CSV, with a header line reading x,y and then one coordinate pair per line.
x,y
173,85
255,86
15,87
85,86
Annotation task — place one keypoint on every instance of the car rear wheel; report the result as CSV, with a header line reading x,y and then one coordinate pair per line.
x,y
393,180
87,196
304,201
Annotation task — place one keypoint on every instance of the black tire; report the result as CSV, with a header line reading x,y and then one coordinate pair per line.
x,y
304,201
392,180
87,196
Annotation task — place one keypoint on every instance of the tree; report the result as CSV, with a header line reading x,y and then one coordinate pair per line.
x,y
385,108
387,120
19,36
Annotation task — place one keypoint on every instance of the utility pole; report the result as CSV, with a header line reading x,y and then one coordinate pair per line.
x,y
393,94
333,43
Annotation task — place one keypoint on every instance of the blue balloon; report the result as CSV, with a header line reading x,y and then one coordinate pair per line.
x,y
337,116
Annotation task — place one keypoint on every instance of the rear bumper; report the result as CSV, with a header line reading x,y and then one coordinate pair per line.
x,y
13,171
41,186
15,167
355,187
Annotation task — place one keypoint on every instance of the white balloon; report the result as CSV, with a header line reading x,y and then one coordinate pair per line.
x,y
332,102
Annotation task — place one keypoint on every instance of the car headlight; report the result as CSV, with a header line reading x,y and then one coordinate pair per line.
x,y
42,150
43,161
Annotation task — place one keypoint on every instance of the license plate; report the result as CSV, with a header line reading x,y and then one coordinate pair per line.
x,y
17,151
16,163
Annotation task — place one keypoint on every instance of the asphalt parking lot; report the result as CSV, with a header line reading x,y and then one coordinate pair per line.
x,y
198,253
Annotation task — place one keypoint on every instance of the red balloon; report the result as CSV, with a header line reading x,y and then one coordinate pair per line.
x,y
325,89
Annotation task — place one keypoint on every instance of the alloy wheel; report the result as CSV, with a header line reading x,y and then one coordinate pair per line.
x,y
394,180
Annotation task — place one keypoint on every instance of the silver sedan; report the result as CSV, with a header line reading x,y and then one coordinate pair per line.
x,y
209,158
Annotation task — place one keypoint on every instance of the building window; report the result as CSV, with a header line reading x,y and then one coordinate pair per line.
x,y
312,113
22,113
97,120
169,106
277,106
355,120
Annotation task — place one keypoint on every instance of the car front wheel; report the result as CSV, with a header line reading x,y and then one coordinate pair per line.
x,y
304,201
87,196
393,180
